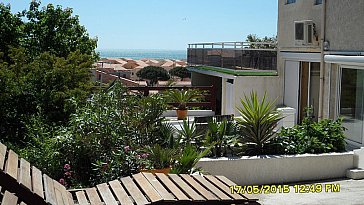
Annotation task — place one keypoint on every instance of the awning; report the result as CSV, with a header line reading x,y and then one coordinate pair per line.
x,y
345,60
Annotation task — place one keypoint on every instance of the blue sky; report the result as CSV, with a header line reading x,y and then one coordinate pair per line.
x,y
168,24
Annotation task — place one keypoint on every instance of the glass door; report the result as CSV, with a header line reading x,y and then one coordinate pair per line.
x,y
351,103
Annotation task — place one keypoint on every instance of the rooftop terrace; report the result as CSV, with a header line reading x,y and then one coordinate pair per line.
x,y
237,56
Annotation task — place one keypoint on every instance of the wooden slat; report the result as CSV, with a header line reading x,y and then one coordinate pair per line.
x,y
11,167
22,203
59,198
37,183
199,188
223,187
172,187
228,182
221,195
61,193
70,198
147,188
9,199
134,191
50,195
159,187
2,156
93,196
81,198
120,193
189,190
106,194
24,174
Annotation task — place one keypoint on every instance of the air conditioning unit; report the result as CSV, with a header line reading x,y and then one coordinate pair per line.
x,y
305,33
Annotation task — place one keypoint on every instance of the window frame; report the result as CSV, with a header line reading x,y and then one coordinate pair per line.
x,y
290,1
318,2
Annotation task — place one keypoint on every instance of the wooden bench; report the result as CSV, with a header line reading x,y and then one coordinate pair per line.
x,y
32,187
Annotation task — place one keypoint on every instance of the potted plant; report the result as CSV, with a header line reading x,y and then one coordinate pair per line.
x,y
160,159
181,98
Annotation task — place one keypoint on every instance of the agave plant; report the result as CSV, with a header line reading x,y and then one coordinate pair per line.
x,y
257,123
188,133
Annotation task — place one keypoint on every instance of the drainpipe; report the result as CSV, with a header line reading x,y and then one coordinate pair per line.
x,y
322,64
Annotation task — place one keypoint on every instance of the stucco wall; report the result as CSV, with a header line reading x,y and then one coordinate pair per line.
x,y
344,25
299,11
245,84
280,169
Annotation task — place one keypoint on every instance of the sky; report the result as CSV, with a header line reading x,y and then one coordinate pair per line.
x,y
168,24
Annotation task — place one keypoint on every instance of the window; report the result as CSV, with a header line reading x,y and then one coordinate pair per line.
x,y
317,2
291,1
299,31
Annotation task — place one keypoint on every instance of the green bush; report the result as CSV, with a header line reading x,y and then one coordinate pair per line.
x,y
311,137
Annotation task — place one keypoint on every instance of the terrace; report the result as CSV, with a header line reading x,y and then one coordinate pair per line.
x,y
235,58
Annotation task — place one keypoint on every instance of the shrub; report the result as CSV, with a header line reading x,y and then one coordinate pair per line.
x,y
257,123
311,137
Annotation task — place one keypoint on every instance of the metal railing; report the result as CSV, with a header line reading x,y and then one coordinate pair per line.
x,y
234,55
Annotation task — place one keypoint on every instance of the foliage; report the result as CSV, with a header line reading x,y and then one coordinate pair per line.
x,y
48,29
257,123
189,134
161,157
220,136
43,85
311,137
255,39
181,72
100,130
153,73
188,159
183,96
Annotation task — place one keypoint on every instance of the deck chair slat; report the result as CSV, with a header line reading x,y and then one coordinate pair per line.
x,y
59,197
22,203
172,187
93,196
50,194
9,199
11,167
147,187
159,187
61,193
134,191
120,193
106,194
221,195
2,155
195,196
70,198
24,174
37,182
199,188
223,187
81,198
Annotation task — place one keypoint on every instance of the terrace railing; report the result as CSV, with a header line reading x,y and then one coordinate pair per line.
x,y
234,55
209,94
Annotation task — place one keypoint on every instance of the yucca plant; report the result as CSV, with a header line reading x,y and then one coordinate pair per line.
x,y
188,133
257,123
182,97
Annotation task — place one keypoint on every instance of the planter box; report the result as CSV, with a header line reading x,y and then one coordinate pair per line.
x,y
278,169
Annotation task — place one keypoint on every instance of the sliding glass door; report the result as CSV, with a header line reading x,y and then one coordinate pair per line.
x,y
351,103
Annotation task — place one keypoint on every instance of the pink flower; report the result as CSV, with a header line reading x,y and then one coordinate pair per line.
x,y
61,181
67,167
144,155
67,174
126,148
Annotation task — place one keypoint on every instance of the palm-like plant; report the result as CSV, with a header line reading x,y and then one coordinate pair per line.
x,y
182,97
257,123
188,133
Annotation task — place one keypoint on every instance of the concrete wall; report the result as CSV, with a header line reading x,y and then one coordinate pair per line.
x,y
259,170
299,11
245,84
344,25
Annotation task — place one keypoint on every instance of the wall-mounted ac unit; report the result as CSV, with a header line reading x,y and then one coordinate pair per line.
x,y
304,33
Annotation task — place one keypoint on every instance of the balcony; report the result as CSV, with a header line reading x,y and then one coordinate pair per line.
x,y
237,58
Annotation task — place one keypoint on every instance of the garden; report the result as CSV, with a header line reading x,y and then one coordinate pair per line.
x,y
56,118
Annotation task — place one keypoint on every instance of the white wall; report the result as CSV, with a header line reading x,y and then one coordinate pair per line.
x,y
265,169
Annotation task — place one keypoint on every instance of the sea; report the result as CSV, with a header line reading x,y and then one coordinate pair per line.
x,y
143,53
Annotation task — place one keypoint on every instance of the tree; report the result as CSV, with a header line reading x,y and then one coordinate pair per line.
x,y
181,72
253,38
153,73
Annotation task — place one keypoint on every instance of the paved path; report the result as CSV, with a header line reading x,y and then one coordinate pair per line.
x,y
351,192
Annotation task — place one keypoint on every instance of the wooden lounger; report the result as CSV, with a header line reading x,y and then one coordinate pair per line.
x,y
29,186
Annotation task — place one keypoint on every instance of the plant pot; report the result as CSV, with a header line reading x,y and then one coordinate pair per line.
x,y
181,114
153,171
